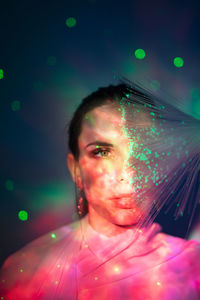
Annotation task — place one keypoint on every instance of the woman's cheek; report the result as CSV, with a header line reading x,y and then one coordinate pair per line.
x,y
91,176
97,175
92,171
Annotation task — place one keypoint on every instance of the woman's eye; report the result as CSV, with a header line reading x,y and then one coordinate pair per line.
x,y
101,153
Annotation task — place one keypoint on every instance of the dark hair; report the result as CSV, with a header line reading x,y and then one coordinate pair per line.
x,y
98,98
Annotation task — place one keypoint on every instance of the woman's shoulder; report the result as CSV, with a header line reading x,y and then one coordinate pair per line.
x,y
177,245
179,253
24,270
181,258
54,236
41,246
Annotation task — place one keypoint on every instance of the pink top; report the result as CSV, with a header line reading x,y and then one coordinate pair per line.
x,y
82,264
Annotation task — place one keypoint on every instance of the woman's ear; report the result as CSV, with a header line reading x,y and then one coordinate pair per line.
x,y
74,169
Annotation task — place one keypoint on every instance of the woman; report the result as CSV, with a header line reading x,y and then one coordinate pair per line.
x,y
114,251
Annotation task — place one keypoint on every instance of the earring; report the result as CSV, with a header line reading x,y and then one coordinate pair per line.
x,y
80,206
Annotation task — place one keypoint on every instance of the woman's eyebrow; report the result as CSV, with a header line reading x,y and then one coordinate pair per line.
x,y
99,143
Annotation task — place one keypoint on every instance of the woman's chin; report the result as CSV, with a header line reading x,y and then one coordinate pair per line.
x,y
127,217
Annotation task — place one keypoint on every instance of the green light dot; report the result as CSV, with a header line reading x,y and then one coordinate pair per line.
x,y
140,54
51,61
23,215
1,73
21,270
53,236
9,185
15,105
178,62
70,22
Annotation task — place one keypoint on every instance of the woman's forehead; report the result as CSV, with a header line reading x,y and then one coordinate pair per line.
x,y
116,114
106,122
104,119
108,113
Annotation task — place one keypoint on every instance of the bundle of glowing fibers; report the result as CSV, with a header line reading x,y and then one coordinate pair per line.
x,y
164,152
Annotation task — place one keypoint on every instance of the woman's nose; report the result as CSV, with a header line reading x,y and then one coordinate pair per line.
x,y
125,174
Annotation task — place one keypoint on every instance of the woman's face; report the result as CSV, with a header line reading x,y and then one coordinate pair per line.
x,y
104,170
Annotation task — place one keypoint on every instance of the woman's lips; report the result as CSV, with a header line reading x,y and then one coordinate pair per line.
x,y
124,202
